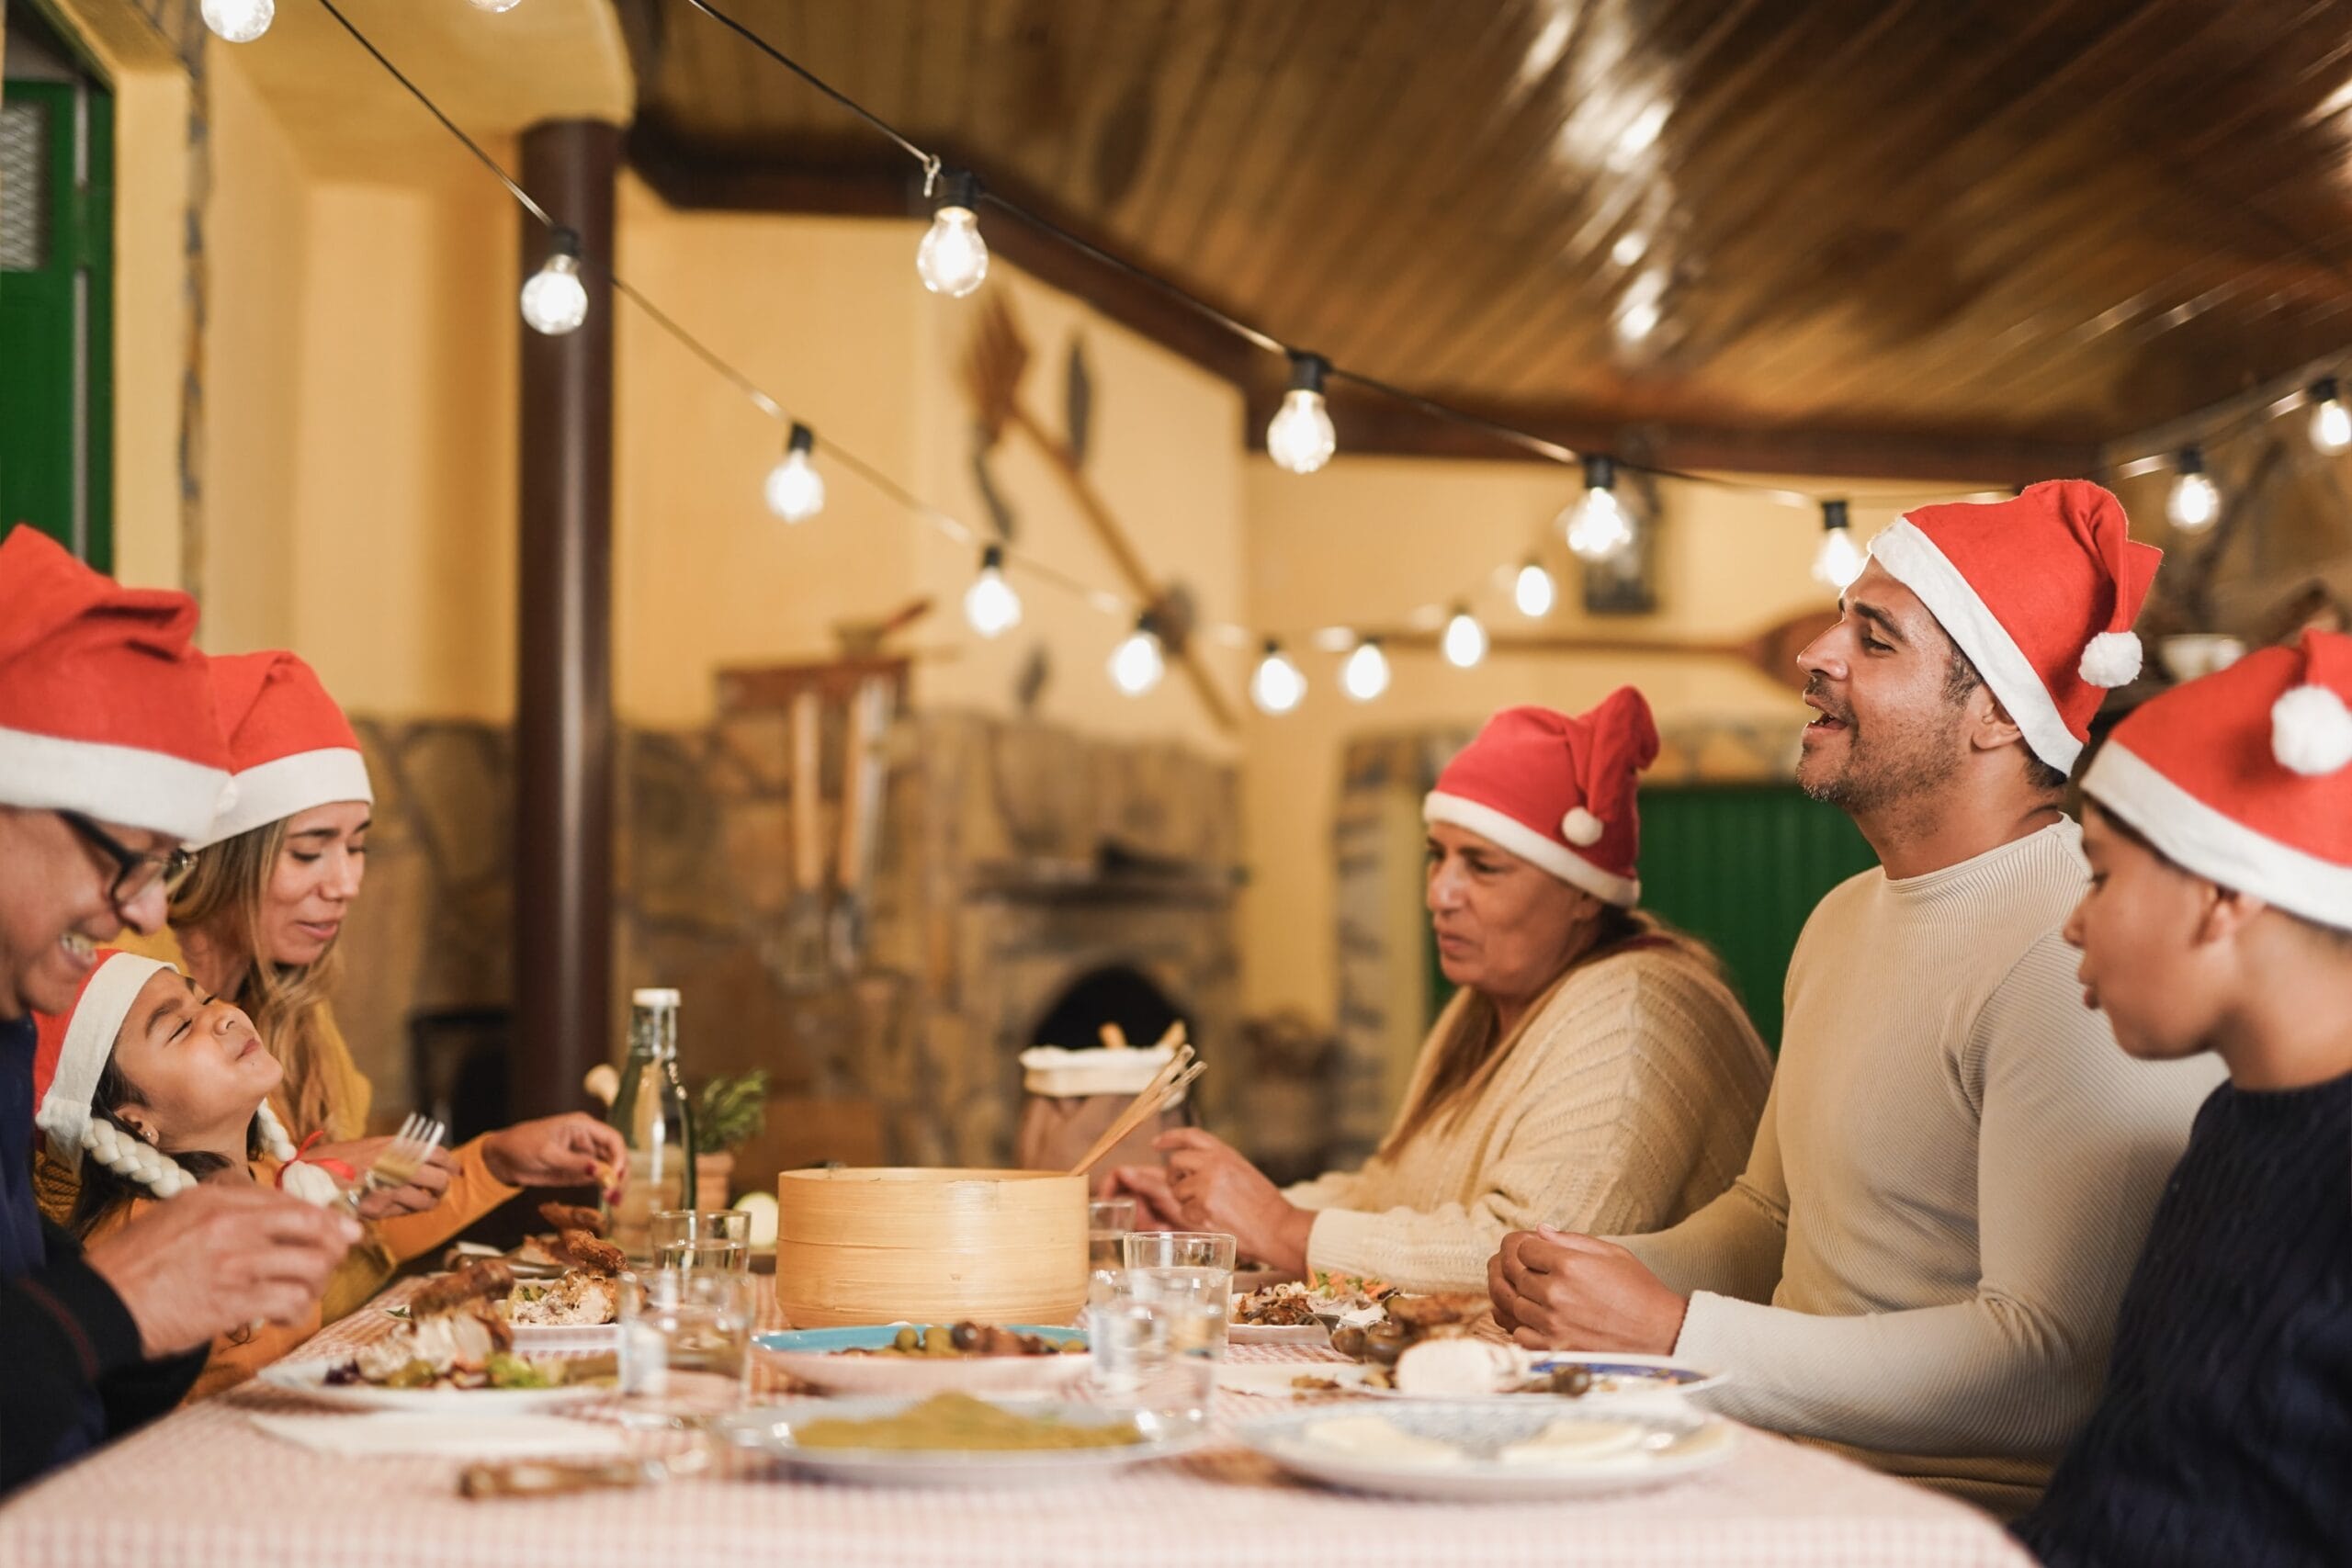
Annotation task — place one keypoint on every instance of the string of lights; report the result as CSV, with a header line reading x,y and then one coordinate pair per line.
x,y
952,259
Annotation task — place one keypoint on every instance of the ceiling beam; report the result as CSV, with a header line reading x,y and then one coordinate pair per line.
x,y
862,184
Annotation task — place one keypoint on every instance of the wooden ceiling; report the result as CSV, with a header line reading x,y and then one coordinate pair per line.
x,y
1907,236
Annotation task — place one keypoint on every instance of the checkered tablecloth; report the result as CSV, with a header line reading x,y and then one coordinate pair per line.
x,y
206,1489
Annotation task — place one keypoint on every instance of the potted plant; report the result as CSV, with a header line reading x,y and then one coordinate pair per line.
x,y
730,1110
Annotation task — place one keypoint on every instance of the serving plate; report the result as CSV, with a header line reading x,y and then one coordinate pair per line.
x,y
1633,1450
814,1357
770,1431
309,1380
1615,1377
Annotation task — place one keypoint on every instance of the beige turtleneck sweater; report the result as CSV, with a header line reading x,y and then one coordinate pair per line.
x,y
1922,1262
1629,1100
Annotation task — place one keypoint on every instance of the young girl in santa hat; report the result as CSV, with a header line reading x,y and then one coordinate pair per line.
x,y
148,1085
2219,918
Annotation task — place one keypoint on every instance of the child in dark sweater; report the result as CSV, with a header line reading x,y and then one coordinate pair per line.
x,y
2219,828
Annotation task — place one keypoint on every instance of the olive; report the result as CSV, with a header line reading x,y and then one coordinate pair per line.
x,y
938,1342
965,1336
906,1340
1574,1381
1348,1341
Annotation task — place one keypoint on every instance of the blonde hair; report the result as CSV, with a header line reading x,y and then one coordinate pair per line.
x,y
1468,1053
222,898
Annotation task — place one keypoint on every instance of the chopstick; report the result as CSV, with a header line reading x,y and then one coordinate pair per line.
x,y
1150,1102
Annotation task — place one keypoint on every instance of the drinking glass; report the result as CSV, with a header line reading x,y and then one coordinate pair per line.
x,y
1180,1250
1198,1264
702,1239
1156,1346
1108,1221
685,1345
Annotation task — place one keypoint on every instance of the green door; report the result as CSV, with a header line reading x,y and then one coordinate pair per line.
x,y
1741,866
56,314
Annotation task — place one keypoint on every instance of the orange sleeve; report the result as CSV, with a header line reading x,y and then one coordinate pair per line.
x,y
472,1193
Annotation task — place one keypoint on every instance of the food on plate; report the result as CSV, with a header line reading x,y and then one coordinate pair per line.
x,y
1407,1321
1455,1369
581,1299
1574,1442
573,1217
1374,1437
1436,1309
455,1337
958,1421
490,1277
1307,1383
970,1340
1346,1293
1276,1306
578,1249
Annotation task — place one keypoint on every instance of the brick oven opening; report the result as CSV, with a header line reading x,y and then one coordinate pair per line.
x,y
1113,994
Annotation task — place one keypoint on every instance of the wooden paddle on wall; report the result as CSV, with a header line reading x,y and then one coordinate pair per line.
x,y
1771,652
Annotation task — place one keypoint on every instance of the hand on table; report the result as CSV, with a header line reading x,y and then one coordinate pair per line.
x,y
1156,1206
1557,1290
558,1151
420,1194
1216,1189
217,1257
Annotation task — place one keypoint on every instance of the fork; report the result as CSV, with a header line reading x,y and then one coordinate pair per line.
x,y
401,1160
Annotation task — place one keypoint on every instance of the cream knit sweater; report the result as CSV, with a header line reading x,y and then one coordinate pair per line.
x,y
1951,1181
1628,1100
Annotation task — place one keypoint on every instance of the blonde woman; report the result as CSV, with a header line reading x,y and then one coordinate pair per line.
x,y
1593,1067
256,924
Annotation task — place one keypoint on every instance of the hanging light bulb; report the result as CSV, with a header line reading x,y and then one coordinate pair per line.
x,y
496,7
1300,436
239,21
1464,642
1366,674
2331,424
1598,528
1278,686
952,259
990,604
1840,561
1137,664
2195,502
796,491
555,301
1533,591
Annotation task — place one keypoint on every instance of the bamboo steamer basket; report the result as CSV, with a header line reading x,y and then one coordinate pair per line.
x,y
881,1245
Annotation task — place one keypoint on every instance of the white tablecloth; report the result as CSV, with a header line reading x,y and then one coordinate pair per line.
x,y
206,1488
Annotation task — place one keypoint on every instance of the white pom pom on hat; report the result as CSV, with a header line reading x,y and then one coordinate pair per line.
x,y
2111,660
2311,731
1581,827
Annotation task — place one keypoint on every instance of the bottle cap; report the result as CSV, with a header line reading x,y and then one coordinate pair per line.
x,y
653,997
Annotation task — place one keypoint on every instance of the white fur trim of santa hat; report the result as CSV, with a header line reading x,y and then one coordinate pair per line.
x,y
126,784
90,1032
2214,845
286,785
1914,561
1508,833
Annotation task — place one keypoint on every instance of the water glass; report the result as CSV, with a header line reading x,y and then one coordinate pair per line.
x,y
1155,1349
1180,1250
1108,1221
685,1345
702,1239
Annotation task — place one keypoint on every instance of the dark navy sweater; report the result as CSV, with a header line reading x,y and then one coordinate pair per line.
x,y
2226,1434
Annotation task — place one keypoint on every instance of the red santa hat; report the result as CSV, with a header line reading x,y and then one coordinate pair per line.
x,y
2040,592
2245,776
1558,790
71,1053
291,745
105,708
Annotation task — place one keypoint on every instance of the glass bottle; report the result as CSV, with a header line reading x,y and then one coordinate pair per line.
x,y
655,1118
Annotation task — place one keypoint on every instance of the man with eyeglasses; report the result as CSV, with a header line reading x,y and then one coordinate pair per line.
x,y
109,758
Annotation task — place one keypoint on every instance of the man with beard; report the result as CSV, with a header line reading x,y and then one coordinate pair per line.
x,y
1921,1264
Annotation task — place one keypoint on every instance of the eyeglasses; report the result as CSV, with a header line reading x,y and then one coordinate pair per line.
x,y
135,874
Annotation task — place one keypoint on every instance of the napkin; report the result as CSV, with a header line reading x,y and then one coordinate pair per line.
x,y
521,1436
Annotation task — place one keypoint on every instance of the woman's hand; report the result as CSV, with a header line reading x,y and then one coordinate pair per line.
x,y
1156,1206
1564,1292
1216,1189
571,1150
423,1192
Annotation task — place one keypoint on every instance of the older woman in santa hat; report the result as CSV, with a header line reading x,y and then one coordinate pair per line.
x,y
257,924
1593,1069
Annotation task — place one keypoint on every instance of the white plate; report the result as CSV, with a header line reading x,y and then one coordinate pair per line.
x,y
309,1380
814,1357
1479,1431
531,1338
769,1431
1277,1380
1615,1377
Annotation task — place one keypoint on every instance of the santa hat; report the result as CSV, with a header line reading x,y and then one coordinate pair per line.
x,y
103,705
2040,592
71,1055
2245,776
1558,790
289,743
